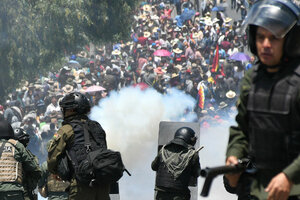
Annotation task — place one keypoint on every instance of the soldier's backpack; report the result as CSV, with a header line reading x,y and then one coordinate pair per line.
x,y
100,166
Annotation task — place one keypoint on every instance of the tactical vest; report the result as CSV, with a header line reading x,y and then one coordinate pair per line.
x,y
274,128
78,151
10,168
54,185
165,179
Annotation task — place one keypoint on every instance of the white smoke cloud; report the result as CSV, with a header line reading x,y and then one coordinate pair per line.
x,y
214,140
131,120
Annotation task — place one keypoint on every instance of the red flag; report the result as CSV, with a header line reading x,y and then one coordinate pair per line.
x,y
215,65
87,47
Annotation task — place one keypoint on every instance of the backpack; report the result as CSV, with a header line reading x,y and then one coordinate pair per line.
x,y
100,166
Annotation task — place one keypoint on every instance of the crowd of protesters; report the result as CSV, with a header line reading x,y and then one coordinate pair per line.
x,y
191,52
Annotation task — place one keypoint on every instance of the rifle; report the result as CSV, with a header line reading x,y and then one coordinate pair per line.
x,y
211,173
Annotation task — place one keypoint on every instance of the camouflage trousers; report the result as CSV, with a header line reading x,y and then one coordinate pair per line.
x,y
58,196
11,195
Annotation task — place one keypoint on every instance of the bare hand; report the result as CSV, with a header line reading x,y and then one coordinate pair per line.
x,y
232,178
279,188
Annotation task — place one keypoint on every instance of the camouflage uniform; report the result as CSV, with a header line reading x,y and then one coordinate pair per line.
x,y
11,183
63,139
30,184
54,189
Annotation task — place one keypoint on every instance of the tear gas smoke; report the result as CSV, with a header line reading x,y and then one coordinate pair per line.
x,y
214,140
131,120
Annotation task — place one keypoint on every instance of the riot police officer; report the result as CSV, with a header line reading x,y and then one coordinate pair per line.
x,y
175,164
28,184
15,161
268,129
70,138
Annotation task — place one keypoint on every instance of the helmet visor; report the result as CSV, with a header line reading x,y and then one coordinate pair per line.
x,y
271,15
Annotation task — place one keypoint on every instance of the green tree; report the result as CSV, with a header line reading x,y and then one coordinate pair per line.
x,y
35,35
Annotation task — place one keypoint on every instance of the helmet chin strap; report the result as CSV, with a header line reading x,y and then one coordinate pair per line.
x,y
273,66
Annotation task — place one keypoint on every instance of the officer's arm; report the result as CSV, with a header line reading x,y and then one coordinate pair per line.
x,y
196,167
29,165
44,175
155,163
293,170
57,147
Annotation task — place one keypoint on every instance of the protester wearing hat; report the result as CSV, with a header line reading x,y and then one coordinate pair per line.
x,y
230,94
116,52
164,34
67,88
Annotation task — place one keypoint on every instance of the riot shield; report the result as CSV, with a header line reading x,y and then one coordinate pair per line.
x,y
166,134
114,191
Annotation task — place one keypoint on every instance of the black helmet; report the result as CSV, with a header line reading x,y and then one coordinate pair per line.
x,y
6,131
187,134
281,18
76,101
21,136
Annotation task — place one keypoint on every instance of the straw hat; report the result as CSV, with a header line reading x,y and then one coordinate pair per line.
x,y
78,80
82,54
154,17
143,17
173,42
69,81
208,23
230,94
227,19
174,75
177,29
116,52
222,105
204,112
154,30
211,108
147,34
215,20
196,35
67,88
179,67
147,8
177,50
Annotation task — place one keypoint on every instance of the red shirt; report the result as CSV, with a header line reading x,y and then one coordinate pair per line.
x,y
142,40
168,13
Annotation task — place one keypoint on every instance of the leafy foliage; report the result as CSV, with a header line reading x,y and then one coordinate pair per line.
x,y
36,34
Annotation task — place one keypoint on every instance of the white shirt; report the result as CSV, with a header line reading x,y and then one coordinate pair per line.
x,y
51,108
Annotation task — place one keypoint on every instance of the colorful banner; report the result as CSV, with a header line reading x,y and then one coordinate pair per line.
x,y
215,65
201,97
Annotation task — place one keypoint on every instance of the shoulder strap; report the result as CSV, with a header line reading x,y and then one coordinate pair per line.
x,y
2,148
84,125
13,142
87,142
